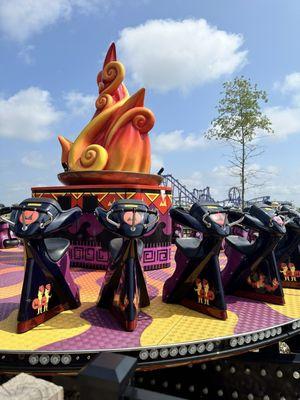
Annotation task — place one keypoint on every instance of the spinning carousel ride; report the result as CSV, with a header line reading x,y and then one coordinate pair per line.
x,y
100,275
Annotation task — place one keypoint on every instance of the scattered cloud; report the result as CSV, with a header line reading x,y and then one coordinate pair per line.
x,y
177,140
34,159
169,54
290,83
156,163
80,104
28,115
21,19
285,120
26,54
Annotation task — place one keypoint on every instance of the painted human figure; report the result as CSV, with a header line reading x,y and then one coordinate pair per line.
x,y
47,296
285,271
293,272
206,292
40,299
199,290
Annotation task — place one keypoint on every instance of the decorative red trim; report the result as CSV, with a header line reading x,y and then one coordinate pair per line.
x,y
209,310
94,188
24,326
267,298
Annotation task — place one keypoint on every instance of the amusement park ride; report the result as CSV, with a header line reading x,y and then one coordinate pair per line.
x,y
101,292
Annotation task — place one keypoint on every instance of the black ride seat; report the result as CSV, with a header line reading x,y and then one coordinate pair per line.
x,y
115,246
56,247
189,246
241,244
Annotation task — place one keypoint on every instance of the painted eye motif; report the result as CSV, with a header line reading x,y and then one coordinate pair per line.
x,y
132,218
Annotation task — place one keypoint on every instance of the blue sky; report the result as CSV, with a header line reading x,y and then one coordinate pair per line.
x,y
180,51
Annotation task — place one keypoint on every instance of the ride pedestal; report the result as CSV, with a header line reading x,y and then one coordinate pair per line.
x,y
89,240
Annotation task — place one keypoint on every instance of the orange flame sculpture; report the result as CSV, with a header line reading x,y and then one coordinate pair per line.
x,y
116,139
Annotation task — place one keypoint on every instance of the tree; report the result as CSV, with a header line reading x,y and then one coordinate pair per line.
x,y
238,123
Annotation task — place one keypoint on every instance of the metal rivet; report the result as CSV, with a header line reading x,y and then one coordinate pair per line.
x,y
232,370
248,339
201,348
241,340
192,349
165,384
203,366
254,337
164,353
141,380
218,368
173,351
209,346
182,350
220,393
192,388
152,382
279,331
247,371
144,355
250,396
153,354
279,374
235,395
294,325
282,398
266,397
233,342
178,386
205,390
263,372
296,375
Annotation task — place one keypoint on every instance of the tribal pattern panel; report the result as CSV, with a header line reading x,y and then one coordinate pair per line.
x,y
95,256
89,242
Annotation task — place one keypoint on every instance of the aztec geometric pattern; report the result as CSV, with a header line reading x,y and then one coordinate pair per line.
x,y
89,247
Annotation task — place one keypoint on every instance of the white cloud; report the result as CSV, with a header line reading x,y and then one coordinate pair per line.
x,y
26,54
177,140
285,120
20,19
291,83
34,159
28,115
80,104
156,163
168,54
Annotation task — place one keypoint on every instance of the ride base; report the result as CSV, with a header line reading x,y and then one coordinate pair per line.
x,y
166,333
89,240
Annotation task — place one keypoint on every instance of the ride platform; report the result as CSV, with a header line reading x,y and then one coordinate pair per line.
x,y
166,334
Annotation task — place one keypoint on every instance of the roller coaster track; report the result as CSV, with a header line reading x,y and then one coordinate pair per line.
x,y
184,197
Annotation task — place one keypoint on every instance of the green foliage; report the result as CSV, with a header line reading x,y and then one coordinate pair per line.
x,y
239,114
238,123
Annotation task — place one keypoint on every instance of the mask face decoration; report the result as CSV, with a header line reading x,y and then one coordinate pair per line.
x,y
28,217
133,218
